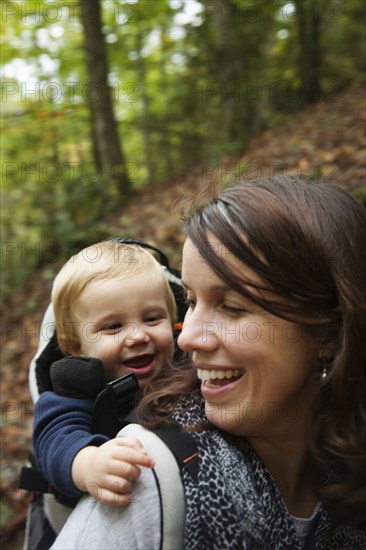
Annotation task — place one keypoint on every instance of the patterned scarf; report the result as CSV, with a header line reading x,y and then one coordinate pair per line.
x,y
236,504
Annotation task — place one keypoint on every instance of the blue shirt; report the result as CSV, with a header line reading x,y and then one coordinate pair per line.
x,y
62,427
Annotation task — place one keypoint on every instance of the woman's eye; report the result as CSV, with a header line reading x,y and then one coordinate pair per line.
x,y
190,303
234,310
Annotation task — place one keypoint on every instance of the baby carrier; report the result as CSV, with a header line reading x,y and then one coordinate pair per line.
x,y
113,410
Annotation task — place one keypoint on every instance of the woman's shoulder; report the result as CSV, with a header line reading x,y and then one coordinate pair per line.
x,y
335,533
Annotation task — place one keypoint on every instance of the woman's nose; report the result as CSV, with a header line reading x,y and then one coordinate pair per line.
x,y
198,333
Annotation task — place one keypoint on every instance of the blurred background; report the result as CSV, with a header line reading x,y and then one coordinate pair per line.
x,y
112,112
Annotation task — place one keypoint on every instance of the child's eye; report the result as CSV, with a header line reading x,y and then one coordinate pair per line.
x,y
153,319
112,327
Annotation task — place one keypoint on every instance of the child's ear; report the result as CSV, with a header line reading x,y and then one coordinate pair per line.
x,y
70,348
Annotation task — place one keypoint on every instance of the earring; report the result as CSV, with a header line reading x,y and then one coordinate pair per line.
x,y
324,359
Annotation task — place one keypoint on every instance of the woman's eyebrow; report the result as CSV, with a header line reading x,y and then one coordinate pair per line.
x,y
221,287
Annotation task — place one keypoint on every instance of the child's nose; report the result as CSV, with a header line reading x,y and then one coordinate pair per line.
x,y
139,335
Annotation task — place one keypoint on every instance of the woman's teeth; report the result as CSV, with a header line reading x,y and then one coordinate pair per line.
x,y
204,374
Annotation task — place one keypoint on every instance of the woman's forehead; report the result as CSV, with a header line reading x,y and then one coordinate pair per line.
x,y
196,261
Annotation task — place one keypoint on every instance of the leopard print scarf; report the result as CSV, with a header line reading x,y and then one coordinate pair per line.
x,y
236,505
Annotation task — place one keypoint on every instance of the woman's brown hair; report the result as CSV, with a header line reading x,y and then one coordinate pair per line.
x,y
306,241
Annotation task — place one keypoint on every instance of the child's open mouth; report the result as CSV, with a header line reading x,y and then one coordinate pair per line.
x,y
140,361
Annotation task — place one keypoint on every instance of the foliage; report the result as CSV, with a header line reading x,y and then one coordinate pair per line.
x,y
191,80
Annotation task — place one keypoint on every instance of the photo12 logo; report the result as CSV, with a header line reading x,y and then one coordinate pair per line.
x,y
69,11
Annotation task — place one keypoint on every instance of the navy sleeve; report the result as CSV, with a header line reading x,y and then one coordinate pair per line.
x,y
62,428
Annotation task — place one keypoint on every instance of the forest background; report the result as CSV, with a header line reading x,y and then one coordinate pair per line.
x,y
114,110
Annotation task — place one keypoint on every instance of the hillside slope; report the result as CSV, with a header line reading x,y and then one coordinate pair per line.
x,y
325,140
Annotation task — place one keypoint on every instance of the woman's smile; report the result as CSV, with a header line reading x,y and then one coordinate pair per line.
x,y
216,381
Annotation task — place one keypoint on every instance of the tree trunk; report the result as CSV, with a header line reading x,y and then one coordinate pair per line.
x,y
165,139
229,67
99,96
141,71
239,54
308,21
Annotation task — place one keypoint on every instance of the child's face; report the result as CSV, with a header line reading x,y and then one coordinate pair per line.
x,y
125,323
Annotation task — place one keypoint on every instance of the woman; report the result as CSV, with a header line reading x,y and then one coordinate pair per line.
x,y
275,393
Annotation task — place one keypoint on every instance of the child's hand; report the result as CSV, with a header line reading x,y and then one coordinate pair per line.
x,y
107,472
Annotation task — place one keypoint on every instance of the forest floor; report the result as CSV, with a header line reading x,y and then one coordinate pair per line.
x,y
325,140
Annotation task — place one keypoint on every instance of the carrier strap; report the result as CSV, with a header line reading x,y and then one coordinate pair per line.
x,y
32,480
182,445
113,404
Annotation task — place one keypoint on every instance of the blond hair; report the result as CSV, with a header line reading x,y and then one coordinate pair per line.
x,y
101,261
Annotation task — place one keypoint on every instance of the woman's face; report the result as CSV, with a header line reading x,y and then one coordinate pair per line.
x,y
255,368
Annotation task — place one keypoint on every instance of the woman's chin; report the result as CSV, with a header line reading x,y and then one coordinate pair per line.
x,y
222,417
